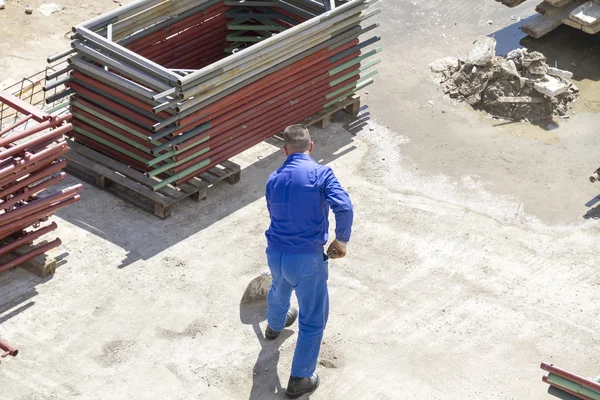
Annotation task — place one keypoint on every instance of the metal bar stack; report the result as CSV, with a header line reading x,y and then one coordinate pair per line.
x,y
30,162
173,88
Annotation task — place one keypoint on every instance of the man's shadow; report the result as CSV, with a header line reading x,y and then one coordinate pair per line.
x,y
266,383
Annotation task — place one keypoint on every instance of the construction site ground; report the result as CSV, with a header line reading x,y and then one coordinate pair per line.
x,y
474,256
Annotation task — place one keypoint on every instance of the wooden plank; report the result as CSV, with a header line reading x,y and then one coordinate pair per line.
x,y
587,14
573,24
521,99
540,25
112,175
559,3
121,168
592,29
548,10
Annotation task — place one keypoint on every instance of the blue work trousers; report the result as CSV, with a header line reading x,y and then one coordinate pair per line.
x,y
307,274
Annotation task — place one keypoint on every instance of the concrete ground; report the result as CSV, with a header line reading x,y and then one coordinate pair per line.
x,y
473,258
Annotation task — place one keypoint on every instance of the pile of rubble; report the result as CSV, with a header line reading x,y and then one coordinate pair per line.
x,y
518,87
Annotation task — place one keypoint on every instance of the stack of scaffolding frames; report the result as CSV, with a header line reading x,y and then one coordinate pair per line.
x,y
173,88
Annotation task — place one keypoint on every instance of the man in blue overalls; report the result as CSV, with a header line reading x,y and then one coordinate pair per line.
x,y
299,195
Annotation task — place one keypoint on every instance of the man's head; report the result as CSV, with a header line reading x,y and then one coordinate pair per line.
x,y
296,139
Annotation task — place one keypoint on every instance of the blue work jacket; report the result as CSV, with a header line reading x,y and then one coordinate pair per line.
x,y
299,195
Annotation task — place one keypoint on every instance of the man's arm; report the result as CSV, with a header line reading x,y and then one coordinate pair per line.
x,y
341,205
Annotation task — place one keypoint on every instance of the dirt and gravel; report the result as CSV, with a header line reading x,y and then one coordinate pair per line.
x,y
470,263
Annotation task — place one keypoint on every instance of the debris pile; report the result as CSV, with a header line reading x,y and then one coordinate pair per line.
x,y
518,87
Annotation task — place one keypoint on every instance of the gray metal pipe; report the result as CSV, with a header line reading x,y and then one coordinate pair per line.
x,y
266,45
118,14
58,73
60,55
56,83
59,95
127,70
112,80
128,57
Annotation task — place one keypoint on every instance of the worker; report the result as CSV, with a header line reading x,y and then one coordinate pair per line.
x,y
299,195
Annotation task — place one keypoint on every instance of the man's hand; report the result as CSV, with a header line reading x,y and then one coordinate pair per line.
x,y
337,249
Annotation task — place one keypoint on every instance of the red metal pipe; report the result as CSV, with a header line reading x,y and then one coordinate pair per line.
x,y
29,169
588,383
23,107
15,125
271,80
33,130
193,58
33,178
223,145
184,37
257,106
18,225
8,349
30,191
105,102
564,389
36,205
172,29
116,93
22,164
202,42
56,133
29,237
29,255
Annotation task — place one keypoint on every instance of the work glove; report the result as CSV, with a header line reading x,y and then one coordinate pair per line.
x,y
337,249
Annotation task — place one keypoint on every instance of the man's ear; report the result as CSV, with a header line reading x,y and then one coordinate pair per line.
x,y
285,150
310,149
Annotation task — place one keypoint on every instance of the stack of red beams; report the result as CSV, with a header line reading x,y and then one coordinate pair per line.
x,y
30,162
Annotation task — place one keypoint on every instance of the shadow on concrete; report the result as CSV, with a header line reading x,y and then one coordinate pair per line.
x,y
17,289
266,383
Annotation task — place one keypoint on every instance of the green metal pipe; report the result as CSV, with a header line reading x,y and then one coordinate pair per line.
x,y
109,144
357,72
352,85
357,60
110,132
180,175
350,93
170,165
111,121
182,137
572,386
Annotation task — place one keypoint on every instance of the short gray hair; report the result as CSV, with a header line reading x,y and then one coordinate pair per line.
x,y
296,138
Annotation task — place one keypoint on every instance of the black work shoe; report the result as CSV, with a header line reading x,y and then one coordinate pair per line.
x,y
300,386
290,318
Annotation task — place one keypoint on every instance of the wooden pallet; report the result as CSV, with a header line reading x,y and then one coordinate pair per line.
x,y
135,187
323,118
